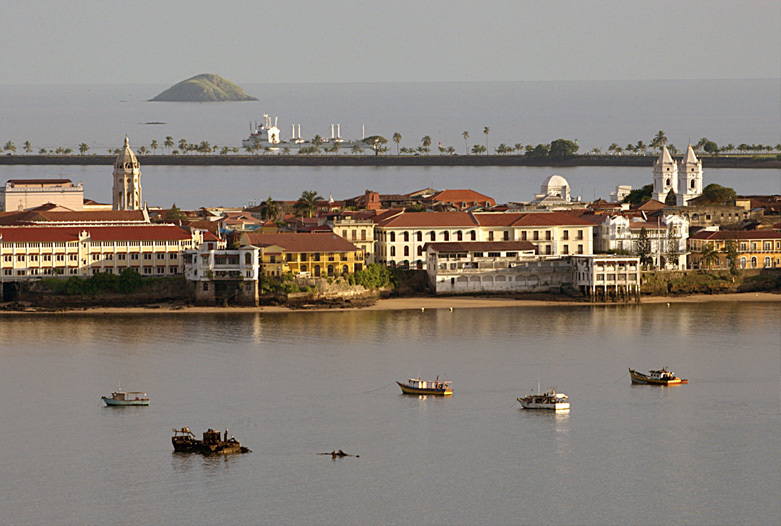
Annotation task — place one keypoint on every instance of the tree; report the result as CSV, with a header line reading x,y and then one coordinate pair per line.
x,y
307,203
425,142
169,143
518,147
640,147
397,140
659,140
183,145
715,194
174,214
639,195
204,147
465,135
269,209
377,143
709,255
486,131
28,148
83,148
42,151
613,147
356,149
731,251
644,248
154,146
672,251
537,152
562,149
9,147
142,150
711,148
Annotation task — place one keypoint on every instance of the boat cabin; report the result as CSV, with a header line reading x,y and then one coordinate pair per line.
x,y
417,383
132,395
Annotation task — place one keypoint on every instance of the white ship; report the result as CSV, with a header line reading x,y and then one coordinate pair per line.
x,y
267,137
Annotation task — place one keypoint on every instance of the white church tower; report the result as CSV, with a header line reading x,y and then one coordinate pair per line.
x,y
127,181
689,178
665,176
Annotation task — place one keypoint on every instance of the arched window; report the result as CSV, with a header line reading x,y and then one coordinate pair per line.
x,y
766,264
406,251
459,236
317,270
393,237
754,262
420,251
692,184
433,235
247,258
419,237
406,236
446,236
345,269
330,270
303,268
473,235
393,252
743,262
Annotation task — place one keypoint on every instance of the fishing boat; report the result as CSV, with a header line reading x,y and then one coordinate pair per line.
x,y
122,398
184,441
657,377
266,136
550,399
416,386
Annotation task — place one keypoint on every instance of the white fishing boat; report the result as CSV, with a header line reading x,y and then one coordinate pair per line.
x,y
550,400
122,398
267,137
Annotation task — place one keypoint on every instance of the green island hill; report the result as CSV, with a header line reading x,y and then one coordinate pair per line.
x,y
206,87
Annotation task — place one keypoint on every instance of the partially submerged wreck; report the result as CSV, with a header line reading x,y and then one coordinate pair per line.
x,y
184,441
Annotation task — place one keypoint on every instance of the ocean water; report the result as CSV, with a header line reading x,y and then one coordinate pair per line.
x,y
291,386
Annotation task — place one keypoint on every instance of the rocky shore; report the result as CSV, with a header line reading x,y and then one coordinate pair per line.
x,y
383,160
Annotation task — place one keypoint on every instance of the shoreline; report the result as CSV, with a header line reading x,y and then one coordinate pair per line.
x,y
646,161
413,303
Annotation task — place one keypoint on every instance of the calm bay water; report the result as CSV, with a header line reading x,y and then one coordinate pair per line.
x,y
290,386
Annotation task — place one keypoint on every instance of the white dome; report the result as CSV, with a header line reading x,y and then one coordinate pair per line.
x,y
555,181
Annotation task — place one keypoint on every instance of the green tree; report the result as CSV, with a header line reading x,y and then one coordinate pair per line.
x,y
731,252
356,149
169,143
28,148
659,140
711,148
486,131
204,147
644,248
478,149
174,214
396,139
9,147
183,145
465,135
639,196
715,194
269,209
640,147
562,149
142,150
518,147
425,142
154,146
537,152
672,251
83,148
709,255
307,203
377,143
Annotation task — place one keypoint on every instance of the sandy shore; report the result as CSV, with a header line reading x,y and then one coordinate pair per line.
x,y
446,303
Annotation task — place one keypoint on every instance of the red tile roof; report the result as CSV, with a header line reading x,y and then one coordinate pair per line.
x,y
531,219
96,233
429,220
314,242
462,196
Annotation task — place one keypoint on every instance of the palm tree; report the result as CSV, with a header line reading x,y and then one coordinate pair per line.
x,y
83,148
44,151
486,131
640,147
169,143
269,209
518,147
67,151
142,150
9,147
397,139
659,140
27,147
426,143
708,255
317,141
465,135
613,147
451,150
154,146
477,149
204,147
307,203
356,149
183,145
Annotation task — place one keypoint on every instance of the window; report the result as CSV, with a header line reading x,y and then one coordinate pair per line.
x,y
20,257
473,235
406,251
161,255
393,237
491,235
161,270
768,245
406,237
494,254
547,235
134,257
523,235
743,246
433,235
507,235
147,270
393,252
536,236
459,236
73,257
60,257
446,236
174,270
566,235
354,235
7,258
95,257
363,234
121,257
580,249
419,236
420,251
580,235
565,249
147,257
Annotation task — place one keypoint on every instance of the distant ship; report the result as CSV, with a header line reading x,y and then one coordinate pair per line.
x,y
267,137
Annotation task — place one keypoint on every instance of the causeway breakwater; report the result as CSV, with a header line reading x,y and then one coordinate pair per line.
x,y
385,160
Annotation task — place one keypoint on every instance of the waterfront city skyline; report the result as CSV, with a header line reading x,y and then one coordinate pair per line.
x,y
87,42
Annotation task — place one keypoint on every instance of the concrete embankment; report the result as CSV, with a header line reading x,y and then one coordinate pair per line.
x,y
384,160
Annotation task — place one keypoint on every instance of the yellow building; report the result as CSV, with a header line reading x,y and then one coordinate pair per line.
x,y
756,248
316,254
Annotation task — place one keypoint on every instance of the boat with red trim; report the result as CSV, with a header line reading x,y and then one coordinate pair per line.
x,y
416,386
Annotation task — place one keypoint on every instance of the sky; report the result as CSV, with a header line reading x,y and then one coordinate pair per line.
x,y
291,41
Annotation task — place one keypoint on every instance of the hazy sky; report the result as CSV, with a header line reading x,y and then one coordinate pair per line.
x,y
105,41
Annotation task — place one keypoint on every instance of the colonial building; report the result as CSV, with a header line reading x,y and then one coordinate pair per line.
x,y
682,180
359,231
756,248
24,194
216,276
316,254
554,234
127,181
602,277
32,252
459,199
667,237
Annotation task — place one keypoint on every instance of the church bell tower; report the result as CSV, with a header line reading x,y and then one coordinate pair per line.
x,y
127,181
689,178
665,176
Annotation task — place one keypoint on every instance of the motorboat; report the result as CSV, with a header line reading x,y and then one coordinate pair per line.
x,y
122,398
550,400
661,376
416,386
184,441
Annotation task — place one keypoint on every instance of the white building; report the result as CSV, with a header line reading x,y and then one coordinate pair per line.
x,y
607,277
684,180
219,275
554,186
667,237
24,194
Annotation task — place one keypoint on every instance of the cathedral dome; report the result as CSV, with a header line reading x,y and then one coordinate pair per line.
x,y
126,159
554,182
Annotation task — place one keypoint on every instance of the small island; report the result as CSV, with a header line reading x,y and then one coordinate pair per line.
x,y
206,87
